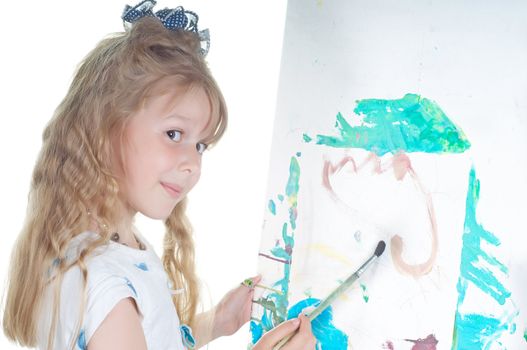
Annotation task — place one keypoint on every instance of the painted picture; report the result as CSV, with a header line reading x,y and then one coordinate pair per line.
x,y
390,126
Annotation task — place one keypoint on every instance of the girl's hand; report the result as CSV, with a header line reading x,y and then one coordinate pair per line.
x,y
303,339
234,310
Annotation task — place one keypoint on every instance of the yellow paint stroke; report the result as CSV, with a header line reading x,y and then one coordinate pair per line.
x,y
334,255
330,253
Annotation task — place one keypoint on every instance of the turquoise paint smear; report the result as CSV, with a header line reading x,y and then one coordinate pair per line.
x,y
328,336
256,331
275,304
410,124
291,190
272,207
477,268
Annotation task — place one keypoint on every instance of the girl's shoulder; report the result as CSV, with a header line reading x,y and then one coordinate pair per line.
x,y
111,273
111,260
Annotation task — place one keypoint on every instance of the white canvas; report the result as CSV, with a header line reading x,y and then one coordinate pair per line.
x,y
399,119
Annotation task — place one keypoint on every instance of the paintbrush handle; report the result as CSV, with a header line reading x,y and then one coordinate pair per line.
x,y
330,298
336,293
340,289
283,341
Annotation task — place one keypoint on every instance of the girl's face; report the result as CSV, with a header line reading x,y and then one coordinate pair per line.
x,y
162,144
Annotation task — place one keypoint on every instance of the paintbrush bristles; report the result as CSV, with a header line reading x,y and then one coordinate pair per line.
x,y
380,248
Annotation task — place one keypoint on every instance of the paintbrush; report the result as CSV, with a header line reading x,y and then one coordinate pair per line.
x,y
338,291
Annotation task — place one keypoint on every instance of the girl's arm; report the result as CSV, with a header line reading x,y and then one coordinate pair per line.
x,y
121,329
232,312
203,330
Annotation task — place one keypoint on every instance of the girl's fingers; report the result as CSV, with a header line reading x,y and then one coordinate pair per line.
x,y
304,338
252,281
271,338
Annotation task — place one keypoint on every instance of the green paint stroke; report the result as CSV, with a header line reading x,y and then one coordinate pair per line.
x,y
364,293
477,269
525,334
291,190
410,124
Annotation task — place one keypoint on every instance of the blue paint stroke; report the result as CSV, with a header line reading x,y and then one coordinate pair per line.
x,y
256,331
328,336
142,266
81,340
131,286
471,330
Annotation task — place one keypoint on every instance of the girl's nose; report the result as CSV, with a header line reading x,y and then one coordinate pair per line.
x,y
189,159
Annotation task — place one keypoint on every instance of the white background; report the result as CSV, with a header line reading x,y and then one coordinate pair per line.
x,y
42,42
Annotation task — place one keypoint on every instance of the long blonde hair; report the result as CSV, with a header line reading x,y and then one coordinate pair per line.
x,y
72,173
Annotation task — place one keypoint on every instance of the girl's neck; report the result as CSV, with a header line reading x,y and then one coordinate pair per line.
x,y
126,235
125,229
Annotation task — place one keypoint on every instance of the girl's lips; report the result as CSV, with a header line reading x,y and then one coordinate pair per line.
x,y
173,190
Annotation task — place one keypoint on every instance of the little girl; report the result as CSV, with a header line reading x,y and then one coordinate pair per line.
x,y
127,138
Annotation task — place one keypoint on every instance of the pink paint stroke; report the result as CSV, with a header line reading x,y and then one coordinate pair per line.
x,y
388,345
428,343
401,166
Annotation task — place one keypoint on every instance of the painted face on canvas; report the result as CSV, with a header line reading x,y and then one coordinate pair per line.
x,y
163,145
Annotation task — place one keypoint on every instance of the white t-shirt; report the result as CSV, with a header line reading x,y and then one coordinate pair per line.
x,y
115,272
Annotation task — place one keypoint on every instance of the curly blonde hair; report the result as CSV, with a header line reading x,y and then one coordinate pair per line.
x,y
72,173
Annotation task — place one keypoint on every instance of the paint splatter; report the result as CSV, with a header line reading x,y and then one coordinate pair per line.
x,y
280,197
328,336
365,295
428,343
477,269
410,124
272,207
358,236
388,345
307,138
525,334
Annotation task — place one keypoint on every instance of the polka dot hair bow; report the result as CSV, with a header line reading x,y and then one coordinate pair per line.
x,y
173,19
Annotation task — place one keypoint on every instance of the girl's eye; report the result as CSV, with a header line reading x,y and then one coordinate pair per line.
x,y
175,135
201,147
